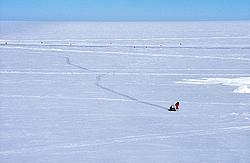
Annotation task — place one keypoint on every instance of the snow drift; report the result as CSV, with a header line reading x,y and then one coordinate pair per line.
x,y
242,83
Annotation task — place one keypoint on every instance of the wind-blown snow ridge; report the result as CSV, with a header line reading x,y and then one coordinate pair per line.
x,y
111,73
155,46
242,83
125,53
242,89
63,97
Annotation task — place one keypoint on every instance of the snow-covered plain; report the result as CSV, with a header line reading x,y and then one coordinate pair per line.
x,y
97,92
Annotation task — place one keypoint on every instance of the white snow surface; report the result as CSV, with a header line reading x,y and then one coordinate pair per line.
x,y
98,92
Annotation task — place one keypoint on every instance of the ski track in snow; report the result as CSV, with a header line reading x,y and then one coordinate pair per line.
x,y
98,81
98,84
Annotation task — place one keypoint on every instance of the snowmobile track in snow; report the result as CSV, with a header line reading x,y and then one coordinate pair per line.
x,y
98,84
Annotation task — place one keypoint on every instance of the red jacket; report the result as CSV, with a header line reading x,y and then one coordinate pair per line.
x,y
177,105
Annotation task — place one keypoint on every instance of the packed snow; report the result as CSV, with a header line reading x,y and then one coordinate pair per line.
x,y
98,92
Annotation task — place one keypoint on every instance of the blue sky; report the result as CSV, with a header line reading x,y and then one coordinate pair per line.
x,y
124,10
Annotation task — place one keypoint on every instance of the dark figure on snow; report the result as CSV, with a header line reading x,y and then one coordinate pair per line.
x,y
175,107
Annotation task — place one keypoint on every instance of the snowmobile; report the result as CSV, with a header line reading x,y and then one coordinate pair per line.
x,y
172,108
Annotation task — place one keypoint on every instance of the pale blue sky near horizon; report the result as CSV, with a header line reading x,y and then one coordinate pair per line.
x,y
124,10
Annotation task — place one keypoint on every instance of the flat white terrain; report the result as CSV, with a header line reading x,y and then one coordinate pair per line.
x,y
98,92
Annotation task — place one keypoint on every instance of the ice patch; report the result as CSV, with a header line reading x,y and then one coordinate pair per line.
x,y
242,83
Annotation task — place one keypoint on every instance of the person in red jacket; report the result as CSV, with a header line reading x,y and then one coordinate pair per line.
x,y
177,105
